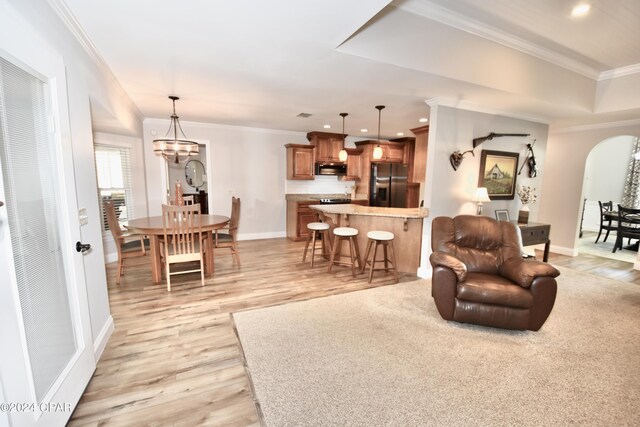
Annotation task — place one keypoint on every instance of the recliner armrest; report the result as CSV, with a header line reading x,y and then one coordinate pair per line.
x,y
449,261
523,272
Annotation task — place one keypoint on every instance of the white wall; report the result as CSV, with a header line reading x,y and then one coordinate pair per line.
x,y
249,163
604,177
567,154
86,79
449,192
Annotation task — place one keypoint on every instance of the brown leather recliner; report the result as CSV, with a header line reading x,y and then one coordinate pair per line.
x,y
479,275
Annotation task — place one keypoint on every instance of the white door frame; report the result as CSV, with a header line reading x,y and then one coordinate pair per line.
x,y
20,45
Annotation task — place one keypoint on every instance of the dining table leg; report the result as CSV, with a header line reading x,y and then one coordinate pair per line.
x,y
156,262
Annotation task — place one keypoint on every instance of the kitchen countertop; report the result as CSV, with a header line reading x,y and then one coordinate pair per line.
x,y
297,197
351,209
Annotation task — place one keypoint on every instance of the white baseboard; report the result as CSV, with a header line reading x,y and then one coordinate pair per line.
x,y
425,272
113,256
594,229
563,251
100,342
261,236
110,257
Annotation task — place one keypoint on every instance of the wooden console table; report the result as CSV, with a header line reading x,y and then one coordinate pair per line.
x,y
535,233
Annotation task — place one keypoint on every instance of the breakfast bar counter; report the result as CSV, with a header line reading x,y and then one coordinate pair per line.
x,y
405,224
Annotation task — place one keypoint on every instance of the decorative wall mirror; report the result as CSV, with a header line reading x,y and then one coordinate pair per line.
x,y
195,173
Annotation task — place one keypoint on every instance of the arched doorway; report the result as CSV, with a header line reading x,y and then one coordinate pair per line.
x,y
606,169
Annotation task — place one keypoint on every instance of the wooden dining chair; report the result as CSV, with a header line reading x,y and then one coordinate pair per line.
x,y
229,238
182,239
129,245
606,221
188,200
628,226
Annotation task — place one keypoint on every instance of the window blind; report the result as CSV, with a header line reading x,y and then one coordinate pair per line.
x,y
113,168
30,171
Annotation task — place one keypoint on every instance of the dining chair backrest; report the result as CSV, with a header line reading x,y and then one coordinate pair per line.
x,y
188,200
628,220
130,249
112,222
234,221
604,208
182,238
182,228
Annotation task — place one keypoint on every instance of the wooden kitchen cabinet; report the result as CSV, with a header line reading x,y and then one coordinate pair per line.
x,y
328,146
354,165
300,161
299,214
392,152
413,194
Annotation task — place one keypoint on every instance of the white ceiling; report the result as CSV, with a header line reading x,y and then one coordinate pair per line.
x,y
260,63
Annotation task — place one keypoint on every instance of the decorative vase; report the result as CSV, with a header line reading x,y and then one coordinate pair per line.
x,y
523,215
179,197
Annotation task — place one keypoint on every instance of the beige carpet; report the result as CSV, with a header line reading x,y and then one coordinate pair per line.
x,y
384,356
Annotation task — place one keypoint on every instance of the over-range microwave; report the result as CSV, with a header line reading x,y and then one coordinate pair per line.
x,y
331,169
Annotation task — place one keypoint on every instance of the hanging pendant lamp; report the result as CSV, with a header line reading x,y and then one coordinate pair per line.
x,y
377,152
342,155
174,145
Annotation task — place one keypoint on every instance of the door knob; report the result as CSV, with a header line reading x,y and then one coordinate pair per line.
x,y
1,203
82,247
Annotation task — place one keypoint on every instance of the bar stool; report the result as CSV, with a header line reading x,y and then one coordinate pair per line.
x,y
317,229
345,234
384,238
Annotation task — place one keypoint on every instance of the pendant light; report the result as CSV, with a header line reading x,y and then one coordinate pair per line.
x,y
174,144
377,152
342,155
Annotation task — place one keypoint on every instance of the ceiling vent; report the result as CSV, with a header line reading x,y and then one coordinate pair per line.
x,y
304,115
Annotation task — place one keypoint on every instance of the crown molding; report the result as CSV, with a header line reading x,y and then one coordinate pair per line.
x,y
453,19
155,121
469,106
619,72
594,126
70,21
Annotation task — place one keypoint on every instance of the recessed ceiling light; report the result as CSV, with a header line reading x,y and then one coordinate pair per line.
x,y
580,9
400,133
423,120
327,126
364,130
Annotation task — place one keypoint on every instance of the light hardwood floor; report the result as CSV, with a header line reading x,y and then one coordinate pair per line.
x,y
174,358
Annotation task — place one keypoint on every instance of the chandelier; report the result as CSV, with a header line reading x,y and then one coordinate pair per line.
x,y
175,144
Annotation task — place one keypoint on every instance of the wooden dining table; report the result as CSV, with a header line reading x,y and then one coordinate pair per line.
x,y
153,227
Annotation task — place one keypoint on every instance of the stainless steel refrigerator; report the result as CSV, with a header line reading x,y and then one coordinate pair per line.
x,y
388,185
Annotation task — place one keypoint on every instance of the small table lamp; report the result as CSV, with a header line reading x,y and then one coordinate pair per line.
x,y
481,197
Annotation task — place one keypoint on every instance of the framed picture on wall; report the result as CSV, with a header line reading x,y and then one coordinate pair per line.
x,y
502,215
498,174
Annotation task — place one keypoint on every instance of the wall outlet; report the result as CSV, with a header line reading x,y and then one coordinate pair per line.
x,y
82,216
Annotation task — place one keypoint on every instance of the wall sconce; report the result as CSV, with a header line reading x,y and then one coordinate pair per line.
x,y
456,158
481,196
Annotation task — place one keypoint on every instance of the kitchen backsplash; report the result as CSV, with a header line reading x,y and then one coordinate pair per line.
x,y
320,185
